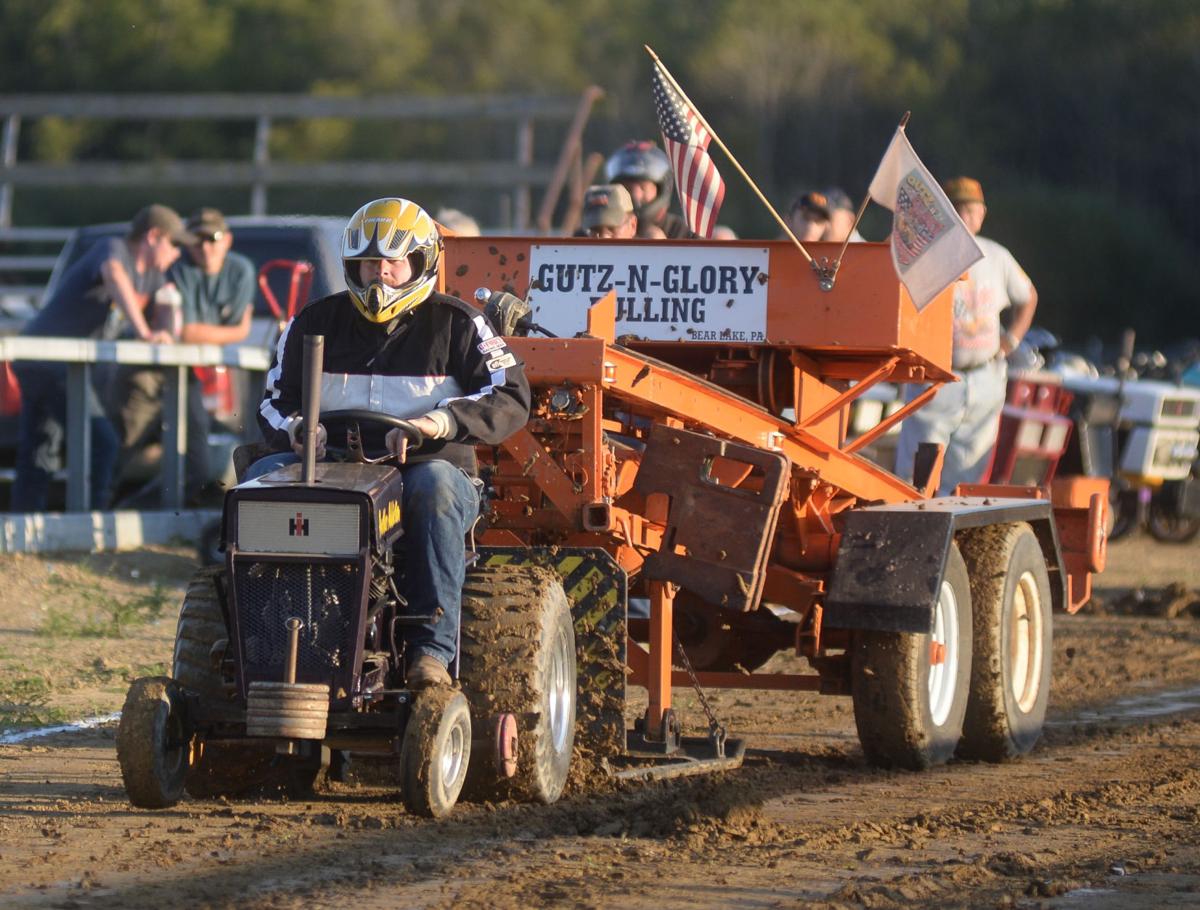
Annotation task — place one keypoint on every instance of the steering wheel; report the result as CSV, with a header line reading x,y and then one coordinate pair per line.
x,y
353,450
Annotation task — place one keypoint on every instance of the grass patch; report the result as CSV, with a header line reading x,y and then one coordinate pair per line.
x,y
23,703
91,615
103,673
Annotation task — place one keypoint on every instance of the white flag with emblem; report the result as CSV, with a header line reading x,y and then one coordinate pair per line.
x,y
931,247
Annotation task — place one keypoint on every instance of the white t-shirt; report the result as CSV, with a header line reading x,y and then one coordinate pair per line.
x,y
993,284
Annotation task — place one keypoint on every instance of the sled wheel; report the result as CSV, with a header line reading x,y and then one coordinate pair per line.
x,y
723,641
436,751
910,688
153,743
1010,679
518,658
223,769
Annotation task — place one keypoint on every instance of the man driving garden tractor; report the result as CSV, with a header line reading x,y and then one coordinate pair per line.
x,y
396,346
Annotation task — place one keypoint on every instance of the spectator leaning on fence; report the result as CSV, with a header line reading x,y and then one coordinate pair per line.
x,y
118,274
213,288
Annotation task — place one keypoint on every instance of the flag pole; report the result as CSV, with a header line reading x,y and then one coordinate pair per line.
x,y
837,263
728,154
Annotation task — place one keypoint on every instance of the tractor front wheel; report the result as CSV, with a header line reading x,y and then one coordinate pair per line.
x,y
153,743
910,688
436,751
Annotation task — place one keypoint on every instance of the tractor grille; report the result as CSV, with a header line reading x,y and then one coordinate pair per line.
x,y
324,596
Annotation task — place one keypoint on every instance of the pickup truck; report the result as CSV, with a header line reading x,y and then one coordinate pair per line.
x,y
265,240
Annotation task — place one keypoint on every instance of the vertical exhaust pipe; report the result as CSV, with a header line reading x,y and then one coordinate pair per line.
x,y
314,367
293,626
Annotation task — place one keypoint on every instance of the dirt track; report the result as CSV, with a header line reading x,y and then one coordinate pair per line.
x,y
1105,813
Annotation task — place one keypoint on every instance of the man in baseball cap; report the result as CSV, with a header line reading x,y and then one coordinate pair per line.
x,y
608,212
163,219
964,416
209,299
104,294
962,190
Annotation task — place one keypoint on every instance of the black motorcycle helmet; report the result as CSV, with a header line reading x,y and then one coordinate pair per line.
x,y
643,160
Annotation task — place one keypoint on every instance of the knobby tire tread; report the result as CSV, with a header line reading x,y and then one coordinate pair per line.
x,y
990,731
499,674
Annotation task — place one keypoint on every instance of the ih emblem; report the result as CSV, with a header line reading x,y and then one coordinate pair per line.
x,y
298,526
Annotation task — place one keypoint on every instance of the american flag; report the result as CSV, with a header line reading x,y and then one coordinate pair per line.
x,y
701,189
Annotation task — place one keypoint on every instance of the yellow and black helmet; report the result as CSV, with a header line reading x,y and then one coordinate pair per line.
x,y
391,229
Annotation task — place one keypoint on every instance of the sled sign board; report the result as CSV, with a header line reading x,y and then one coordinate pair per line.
x,y
665,292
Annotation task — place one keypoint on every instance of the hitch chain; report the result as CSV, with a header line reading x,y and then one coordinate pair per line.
x,y
716,730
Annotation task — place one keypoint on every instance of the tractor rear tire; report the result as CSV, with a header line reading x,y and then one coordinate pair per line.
x,y
518,657
223,769
1010,676
908,708
436,751
153,743
201,625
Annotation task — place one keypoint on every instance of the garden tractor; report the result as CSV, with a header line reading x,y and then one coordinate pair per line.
x,y
290,654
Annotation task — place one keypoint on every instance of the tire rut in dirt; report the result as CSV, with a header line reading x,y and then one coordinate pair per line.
x,y
894,707
518,657
152,743
223,769
1011,669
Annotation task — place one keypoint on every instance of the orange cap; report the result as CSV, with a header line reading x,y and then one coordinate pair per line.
x,y
963,189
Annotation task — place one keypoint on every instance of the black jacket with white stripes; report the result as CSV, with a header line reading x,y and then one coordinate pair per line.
x,y
443,358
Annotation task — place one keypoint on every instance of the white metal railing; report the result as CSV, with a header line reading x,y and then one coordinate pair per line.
x,y
175,359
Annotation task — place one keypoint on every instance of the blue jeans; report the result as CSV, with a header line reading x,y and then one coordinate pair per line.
x,y
964,417
41,435
440,503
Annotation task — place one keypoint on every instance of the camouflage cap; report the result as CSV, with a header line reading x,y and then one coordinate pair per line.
x,y
963,189
606,205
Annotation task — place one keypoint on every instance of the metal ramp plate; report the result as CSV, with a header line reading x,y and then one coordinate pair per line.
x,y
695,755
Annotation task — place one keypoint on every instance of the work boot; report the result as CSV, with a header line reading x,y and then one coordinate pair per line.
x,y
427,671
